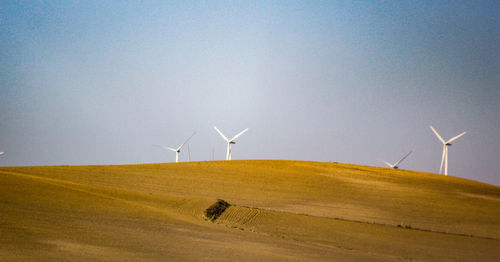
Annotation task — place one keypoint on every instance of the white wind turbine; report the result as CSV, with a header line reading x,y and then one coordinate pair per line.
x,y
446,144
177,150
230,141
395,165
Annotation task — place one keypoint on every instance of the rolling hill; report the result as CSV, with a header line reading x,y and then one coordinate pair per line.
x,y
279,211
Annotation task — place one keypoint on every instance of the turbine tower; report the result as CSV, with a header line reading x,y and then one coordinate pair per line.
x,y
177,150
229,141
395,165
446,144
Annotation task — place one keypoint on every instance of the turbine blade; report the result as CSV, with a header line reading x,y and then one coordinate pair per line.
x,y
238,135
387,163
455,138
169,148
401,160
221,134
185,141
440,138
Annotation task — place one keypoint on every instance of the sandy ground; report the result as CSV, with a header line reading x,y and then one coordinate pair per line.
x,y
155,213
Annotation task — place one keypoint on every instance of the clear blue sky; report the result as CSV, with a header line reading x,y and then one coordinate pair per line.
x,y
99,82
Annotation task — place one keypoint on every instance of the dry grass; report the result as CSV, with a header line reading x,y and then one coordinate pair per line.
x,y
301,211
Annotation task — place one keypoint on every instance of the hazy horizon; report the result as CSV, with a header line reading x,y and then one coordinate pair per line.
x,y
101,82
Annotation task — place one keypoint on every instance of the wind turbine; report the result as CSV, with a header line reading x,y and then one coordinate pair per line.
x,y
395,165
230,141
177,150
446,144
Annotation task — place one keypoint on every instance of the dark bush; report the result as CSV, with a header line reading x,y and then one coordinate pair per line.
x,y
215,210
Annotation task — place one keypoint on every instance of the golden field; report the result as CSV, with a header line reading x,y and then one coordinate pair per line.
x,y
281,211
